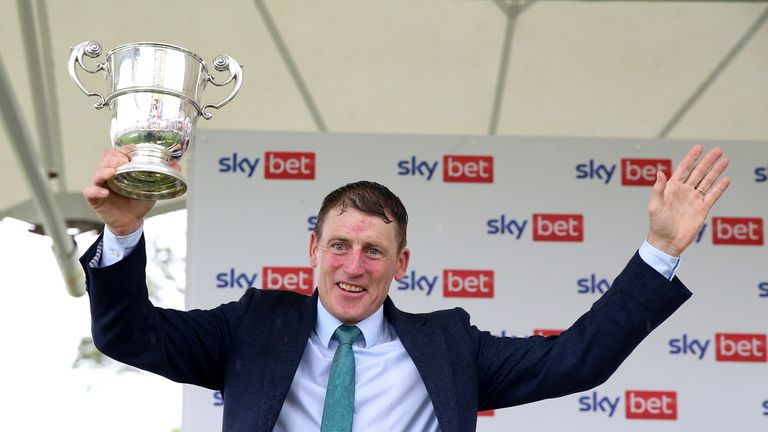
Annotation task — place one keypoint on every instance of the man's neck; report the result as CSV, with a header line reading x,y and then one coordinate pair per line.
x,y
371,327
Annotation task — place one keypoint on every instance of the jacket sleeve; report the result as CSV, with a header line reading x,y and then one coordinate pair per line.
x,y
514,371
189,347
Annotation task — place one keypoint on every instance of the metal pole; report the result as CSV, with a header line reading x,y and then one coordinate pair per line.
x,y
704,86
51,104
37,82
512,11
282,48
63,245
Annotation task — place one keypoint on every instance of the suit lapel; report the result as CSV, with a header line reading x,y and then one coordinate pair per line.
x,y
429,352
291,329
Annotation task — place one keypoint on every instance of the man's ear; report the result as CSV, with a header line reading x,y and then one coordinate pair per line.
x,y
402,263
313,250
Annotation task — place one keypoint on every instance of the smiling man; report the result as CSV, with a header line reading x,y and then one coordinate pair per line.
x,y
358,247
346,358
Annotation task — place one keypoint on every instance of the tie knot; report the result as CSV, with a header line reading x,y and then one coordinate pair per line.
x,y
347,334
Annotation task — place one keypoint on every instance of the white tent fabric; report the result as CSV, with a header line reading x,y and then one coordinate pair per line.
x,y
546,68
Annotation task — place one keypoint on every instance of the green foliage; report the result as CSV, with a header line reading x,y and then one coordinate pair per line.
x,y
87,354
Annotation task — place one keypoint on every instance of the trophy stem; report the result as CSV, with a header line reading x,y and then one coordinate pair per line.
x,y
148,175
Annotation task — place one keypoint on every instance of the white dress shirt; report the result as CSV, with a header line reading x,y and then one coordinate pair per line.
x,y
389,392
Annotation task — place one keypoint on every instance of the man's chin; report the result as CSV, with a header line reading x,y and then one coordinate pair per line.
x,y
349,315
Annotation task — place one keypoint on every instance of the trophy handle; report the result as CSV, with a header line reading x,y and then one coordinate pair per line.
x,y
224,62
89,49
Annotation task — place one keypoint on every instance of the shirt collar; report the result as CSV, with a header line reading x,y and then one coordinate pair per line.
x,y
327,324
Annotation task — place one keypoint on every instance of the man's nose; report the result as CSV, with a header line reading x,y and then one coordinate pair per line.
x,y
354,263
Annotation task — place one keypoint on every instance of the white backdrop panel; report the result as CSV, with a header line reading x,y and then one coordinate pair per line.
x,y
244,222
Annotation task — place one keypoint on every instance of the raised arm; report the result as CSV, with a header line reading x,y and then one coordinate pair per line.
x,y
187,347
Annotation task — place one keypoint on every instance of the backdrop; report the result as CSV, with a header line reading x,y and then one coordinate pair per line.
x,y
524,233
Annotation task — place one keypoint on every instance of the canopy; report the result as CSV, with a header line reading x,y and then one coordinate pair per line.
x,y
548,68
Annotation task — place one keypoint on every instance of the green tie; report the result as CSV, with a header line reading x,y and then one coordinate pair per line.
x,y
340,394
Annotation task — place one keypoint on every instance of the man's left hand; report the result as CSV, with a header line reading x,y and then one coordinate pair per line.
x,y
679,206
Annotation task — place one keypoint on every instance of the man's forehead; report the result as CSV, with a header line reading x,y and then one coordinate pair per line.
x,y
343,208
344,219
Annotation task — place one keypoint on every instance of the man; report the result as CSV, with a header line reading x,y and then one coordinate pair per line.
x,y
271,353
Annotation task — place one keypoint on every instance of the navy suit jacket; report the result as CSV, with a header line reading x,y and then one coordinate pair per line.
x,y
250,349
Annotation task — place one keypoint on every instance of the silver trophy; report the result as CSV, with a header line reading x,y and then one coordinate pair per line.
x,y
155,99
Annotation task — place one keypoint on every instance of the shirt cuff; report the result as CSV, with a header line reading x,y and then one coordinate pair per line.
x,y
665,264
115,247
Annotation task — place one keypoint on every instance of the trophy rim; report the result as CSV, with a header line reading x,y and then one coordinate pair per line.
x,y
160,45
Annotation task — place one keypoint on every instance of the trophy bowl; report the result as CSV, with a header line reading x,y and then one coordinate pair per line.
x,y
155,99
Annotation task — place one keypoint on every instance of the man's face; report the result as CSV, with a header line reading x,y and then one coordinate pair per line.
x,y
356,260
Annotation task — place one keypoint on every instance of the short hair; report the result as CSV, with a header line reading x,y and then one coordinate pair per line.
x,y
370,198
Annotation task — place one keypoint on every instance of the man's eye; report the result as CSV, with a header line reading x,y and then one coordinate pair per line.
x,y
337,247
374,252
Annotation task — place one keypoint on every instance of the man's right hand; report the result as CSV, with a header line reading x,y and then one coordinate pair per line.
x,y
121,214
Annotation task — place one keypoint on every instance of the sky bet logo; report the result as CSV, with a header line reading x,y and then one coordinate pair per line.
x,y
238,164
761,174
729,347
468,283
546,227
277,165
298,279
634,172
311,222
289,165
737,231
456,168
638,405
235,279
547,332
456,283
593,285
740,347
